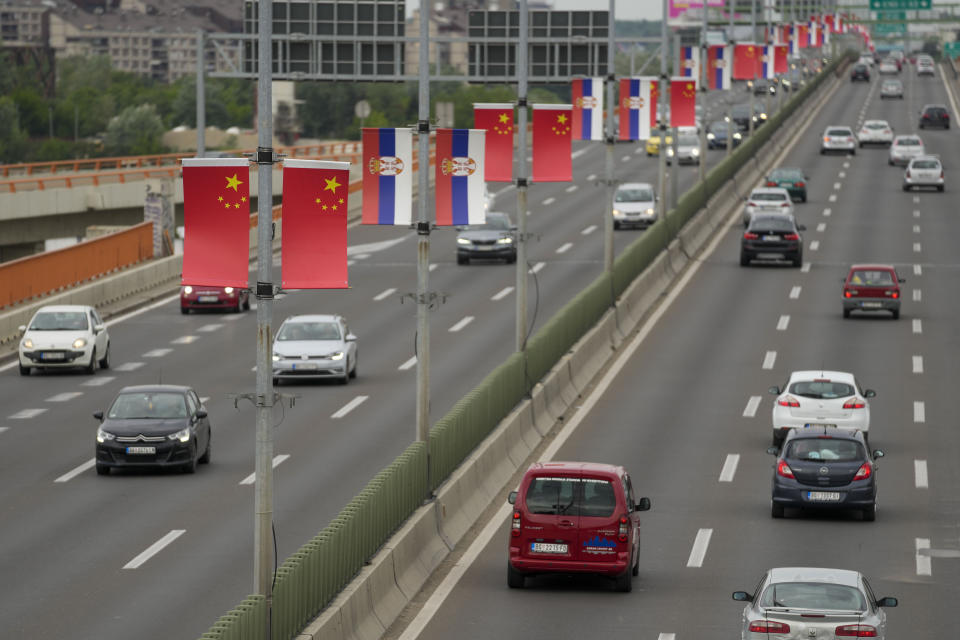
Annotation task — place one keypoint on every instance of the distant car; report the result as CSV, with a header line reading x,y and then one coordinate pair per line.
x,y
904,148
688,149
860,72
767,200
924,171
888,67
199,297
652,146
820,399
772,237
872,287
634,204
717,132
311,347
925,66
837,138
934,115
875,132
495,239
63,337
793,179
762,86
153,426
793,80
866,60
825,468
891,89
807,603
742,116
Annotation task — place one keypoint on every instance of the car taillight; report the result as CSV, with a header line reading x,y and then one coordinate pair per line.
x,y
926,117
769,626
791,236
946,116
785,204
751,203
941,174
864,472
856,631
784,470
849,138
750,236
515,527
854,403
799,184
908,173
893,294
771,183
788,401
622,534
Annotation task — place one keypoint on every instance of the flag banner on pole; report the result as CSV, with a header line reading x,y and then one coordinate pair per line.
x,y
800,35
690,64
823,32
587,96
459,176
315,201
634,105
653,109
720,66
813,38
387,176
791,33
780,64
683,102
216,222
497,119
767,62
552,143
746,61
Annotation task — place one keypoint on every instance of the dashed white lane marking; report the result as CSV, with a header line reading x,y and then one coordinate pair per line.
x,y
729,467
358,256
842,174
386,293
918,364
826,213
566,246
916,247
155,548
571,188
821,227
70,475
832,198
2,429
924,567
185,340
846,165
26,414
917,295
795,292
916,228
65,396
814,245
409,364
250,479
667,636
916,213
917,270
836,186
549,201
589,230
591,177
769,359
783,323
99,381
920,474
433,267
805,268
917,325
460,325
916,199
350,406
699,551
503,293
128,366
157,353
209,328
241,316
751,409
537,267
625,159
919,411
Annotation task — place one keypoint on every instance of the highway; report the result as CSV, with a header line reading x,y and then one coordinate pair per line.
x,y
688,414
163,555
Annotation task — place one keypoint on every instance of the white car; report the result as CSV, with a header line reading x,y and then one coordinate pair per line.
x,y
313,347
64,336
767,200
634,203
820,398
838,138
888,67
905,148
688,149
924,171
925,66
875,132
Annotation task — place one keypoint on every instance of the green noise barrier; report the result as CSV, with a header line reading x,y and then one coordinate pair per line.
x,y
312,577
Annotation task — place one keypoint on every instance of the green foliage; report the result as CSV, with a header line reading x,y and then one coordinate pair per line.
x,y
229,102
13,140
135,131
55,149
33,110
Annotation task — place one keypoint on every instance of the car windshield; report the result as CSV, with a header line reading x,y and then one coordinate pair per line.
x,y
781,224
718,127
493,223
786,174
688,141
935,111
766,196
634,195
925,164
872,277
309,331
813,595
587,497
824,449
838,132
909,142
129,406
822,389
60,321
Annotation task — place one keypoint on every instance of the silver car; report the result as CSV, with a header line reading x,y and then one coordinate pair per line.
x,y
634,203
891,89
767,200
875,132
688,150
924,171
314,346
809,603
904,149
838,139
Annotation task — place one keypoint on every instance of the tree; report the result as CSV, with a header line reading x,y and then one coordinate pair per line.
x,y
13,140
136,131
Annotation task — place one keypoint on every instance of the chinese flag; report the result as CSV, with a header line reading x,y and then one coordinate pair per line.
x,y
780,58
315,194
216,220
552,143
746,61
497,119
800,33
683,102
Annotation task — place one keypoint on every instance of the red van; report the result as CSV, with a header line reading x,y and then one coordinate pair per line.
x,y
575,517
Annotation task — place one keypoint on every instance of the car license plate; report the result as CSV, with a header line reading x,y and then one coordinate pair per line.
x,y
770,238
486,247
872,305
547,547
55,355
305,365
207,298
818,424
141,450
823,496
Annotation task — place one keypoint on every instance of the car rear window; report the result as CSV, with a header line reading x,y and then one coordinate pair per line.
x,y
59,321
588,497
634,195
824,449
822,389
872,278
813,595
160,405
876,125
838,132
779,224
766,196
926,164
309,331
909,142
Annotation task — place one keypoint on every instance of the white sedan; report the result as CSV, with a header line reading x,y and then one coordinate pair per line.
x,y
820,398
838,139
62,337
875,132
767,200
904,149
924,171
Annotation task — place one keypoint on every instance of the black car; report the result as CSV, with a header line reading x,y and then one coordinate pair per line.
x,y
771,237
934,115
717,132
762,86
153,426
741,116
860,72
824,467
493,240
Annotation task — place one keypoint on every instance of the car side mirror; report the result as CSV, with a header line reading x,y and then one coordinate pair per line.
x,y
98,415
201,414
513,227
22,328
351,337
901,280
773,451
801,227
774,391
512,497
98,328
643,504
743,596
869,393
878,453
887,602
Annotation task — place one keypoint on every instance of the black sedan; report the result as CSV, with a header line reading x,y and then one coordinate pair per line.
x,y
153,426
772,237
822,467
934,115
717,133
493,240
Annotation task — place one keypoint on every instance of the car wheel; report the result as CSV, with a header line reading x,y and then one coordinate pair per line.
x,y
890,162
353,372
191,467
906,187
940,188
778,439
776,510
853,152
744,259
823,152
24,371
246,305
636,565
184,310
947,126
103,470
93,362
616,225
463,260
896,314
624,582
803,198
861,145
205,458
798,261
515,579
345,378
239,307
870,513
512,259
105,360
276,382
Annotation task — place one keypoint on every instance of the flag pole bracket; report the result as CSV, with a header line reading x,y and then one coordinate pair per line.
x,y
423,228
430,298
258,400
522,102
423,126
264,155
265,290
523,182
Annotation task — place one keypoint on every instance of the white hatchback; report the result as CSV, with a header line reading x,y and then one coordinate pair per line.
x,y
904,149
838,139
820,399
875,132
64,336
767,200
923,171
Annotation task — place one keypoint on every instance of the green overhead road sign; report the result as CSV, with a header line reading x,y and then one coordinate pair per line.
x,y
891,16
890,27
901,5
951,49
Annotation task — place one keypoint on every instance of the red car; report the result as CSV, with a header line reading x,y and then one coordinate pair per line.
x,y
872,287
575,517
219,298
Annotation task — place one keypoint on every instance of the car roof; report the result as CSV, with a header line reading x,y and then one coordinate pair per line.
x,y
927,156
815,574
866,122
316,317
145,388
786,169
907,135
65,307
635,185
778,190
838,126
833,432
538,468
867,266
814,374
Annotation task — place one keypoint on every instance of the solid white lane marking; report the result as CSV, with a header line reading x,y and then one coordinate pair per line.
x,y
826,213
783,323
209,328
924,567
386,293
549,201
185,340
920,480
917,295
916,228
917,325
128,366
919,411
836,186
503,293
769,359
699,550
821,227
99,381
409,364
537,267
729,467
832,198
63,397
814,245
591,177
157,353
917,270
918,364
154,549
70,475
565,247
751,409
571,188
805,268
795,292
25,414
916,247
589,230
460,325
358,256
250,479
350,406
433,267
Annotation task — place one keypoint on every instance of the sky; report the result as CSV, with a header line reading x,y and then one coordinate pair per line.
x,y
623,9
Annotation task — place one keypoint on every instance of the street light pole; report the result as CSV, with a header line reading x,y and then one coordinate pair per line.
x,y
423,241
520,341
201,105
704,80
662,87
611,186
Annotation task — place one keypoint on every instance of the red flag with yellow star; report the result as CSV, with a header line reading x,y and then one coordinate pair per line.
x,y
552,143
315,194
497,119
216,221
683,102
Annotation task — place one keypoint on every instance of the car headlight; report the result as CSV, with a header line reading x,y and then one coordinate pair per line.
x,y
79,343
505,240
336,355
750,84
276,357
650,211
737,136
694,151
710,136
669,151
188,289
183,435
103,436
228,290
463,241
617,212
28,344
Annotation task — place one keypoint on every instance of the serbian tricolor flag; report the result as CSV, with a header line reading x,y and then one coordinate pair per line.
x,y
800,35
459,176
216,221
387,176
587,95
813,33
767,62
780,58
790,31
552,143
636,103
315,194
683,102
720,66
690,64
746,61
497,119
